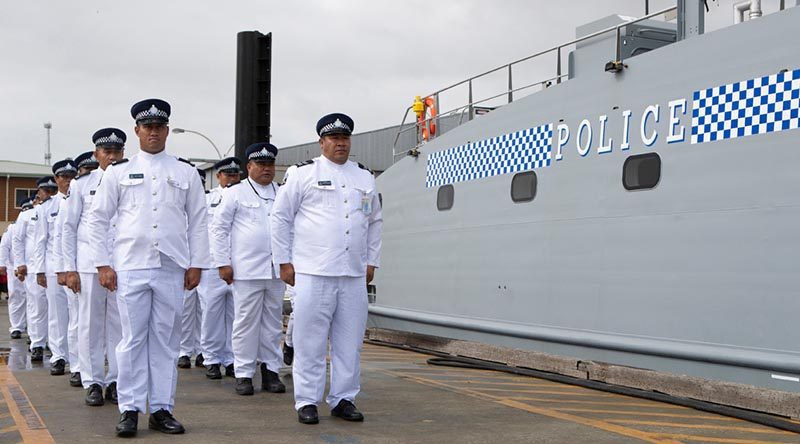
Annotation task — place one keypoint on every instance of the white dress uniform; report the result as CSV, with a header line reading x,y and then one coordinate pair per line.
x,y
161,232
217,300
16,289
327,223
71,298
99,328
190,324
240,234
45,260
22,246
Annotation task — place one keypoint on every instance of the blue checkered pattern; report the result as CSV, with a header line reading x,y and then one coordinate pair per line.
x,y
523,150
755,106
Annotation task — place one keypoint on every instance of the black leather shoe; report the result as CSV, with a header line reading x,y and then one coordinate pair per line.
x,y
128,423
57,369
308,414
213,372
94,395
164,422
229,371
184,362
288,354
347,411
16,334
198,360
37,354
270,382
244,386
111,393
75,379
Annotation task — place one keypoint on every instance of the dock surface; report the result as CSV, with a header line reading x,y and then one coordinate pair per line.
x,y
404,400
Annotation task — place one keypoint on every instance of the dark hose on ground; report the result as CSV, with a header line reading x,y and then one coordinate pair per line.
x,y
444,359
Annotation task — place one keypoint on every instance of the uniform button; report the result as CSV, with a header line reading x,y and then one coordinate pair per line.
x,y
347,216
346,248
155,226
343,185
155,244
347,232
345,201
154,177
154,193
155,208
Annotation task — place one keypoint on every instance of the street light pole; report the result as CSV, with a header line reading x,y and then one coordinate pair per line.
x,y
47,126
182,130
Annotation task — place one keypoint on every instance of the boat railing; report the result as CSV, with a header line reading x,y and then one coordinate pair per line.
x,y
469,107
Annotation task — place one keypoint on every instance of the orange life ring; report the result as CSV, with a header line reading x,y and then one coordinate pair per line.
x,y
426,119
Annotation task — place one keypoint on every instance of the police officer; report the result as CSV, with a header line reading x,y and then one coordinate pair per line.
x,y
326,236
241,250
47,262
86,163
215,294
23,246
160,247
16,289
191,319
99,329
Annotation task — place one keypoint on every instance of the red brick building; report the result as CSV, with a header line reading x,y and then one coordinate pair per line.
x,y
17,179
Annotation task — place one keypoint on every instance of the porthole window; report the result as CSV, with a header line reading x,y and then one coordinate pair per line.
x,y
523,187
444,198
641,172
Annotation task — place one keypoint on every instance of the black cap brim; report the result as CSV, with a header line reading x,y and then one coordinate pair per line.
x,y
336,131
148,120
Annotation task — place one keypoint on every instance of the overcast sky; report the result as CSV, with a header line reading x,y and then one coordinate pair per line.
x,y
82,64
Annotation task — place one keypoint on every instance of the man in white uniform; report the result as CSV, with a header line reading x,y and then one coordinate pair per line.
x,y
16,289
240,248
326,228
48,262
86,163
23,246
160,247
215,294
191,318
99,329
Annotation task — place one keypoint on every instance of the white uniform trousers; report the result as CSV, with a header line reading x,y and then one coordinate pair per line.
x,y
37,312
57,320
150,307
190,324
98,332
335,308
17,302
72,329
217,318
290,324
257,325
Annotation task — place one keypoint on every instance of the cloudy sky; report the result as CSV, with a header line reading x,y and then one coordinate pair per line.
x,y
82,64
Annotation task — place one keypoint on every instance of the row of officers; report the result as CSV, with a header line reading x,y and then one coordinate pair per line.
x,y
126,260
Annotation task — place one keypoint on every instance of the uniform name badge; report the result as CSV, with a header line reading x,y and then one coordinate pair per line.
x,y
366,204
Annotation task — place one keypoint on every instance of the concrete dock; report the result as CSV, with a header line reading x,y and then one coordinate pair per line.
x,y
403,399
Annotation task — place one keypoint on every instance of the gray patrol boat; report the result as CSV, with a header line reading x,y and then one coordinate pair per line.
x,y
640,209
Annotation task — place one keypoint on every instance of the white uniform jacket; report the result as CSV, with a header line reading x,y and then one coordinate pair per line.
x,y
58,247
327,220
5,251
240,231
22,242
160,207
75,242
44,256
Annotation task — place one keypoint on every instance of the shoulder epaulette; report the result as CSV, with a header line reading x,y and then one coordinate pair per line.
x,y
232,184
117,162
82,175
361,165
302,164
185,161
